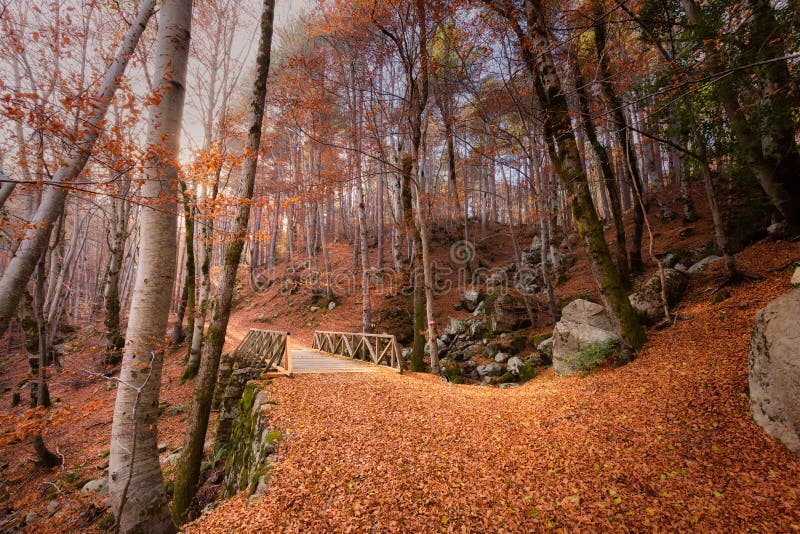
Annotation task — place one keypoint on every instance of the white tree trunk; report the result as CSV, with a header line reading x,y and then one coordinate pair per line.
x,y
136,484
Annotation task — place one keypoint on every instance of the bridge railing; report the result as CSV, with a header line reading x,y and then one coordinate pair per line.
x,y
380,349
265,349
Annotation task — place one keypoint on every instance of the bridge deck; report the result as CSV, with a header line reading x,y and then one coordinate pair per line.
x,y
308,361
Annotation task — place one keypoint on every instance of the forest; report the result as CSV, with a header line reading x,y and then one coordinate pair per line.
x,y
399,265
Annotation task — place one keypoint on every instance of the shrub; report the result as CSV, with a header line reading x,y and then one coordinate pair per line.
x,y
594,354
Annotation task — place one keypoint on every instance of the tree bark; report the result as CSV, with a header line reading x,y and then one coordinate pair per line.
x,y
136,483
188,471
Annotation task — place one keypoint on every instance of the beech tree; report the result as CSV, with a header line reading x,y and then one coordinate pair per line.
x,y
135,480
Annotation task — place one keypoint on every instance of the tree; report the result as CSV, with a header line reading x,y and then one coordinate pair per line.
x,y
189,464
136,483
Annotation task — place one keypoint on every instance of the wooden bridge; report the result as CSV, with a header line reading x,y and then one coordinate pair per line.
x,y
331,352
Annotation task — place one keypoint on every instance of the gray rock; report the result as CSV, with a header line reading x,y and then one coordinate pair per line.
x,y
99,485
406,353
455,327
471,298
490,369
475,351
476,329
172,459
509,385
702,264
314,308
489,380
331,305
509,313
777,230
774,374
501,357
680,267
582,323
545,348
53,507
796,277
468,367
514,365
670,260
647,301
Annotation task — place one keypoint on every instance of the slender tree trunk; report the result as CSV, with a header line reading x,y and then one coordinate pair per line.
x,y
136,483
119,231
607,177
187,307
188,471
625,140
563,152
19,269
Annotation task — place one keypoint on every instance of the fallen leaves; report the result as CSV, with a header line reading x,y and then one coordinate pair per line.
x,y
665,443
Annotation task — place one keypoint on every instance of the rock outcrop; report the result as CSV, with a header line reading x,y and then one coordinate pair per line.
x,y
582,323
647,301
774,374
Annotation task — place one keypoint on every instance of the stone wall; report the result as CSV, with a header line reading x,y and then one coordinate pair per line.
x,y
252,444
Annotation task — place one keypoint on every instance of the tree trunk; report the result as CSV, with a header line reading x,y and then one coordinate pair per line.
x,y
607,177
119,231
624,138
188,470
563,152
136,484
21,266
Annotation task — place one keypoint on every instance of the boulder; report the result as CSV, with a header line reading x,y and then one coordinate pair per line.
x,y
100,485
476,329
508,385
468,367
514,365
490,369
701,265
669,260
501,357
455,327
545,348
774,374
582,323
509,313
471,298
647,301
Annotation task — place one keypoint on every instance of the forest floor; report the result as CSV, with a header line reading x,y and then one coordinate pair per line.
x,y
664,443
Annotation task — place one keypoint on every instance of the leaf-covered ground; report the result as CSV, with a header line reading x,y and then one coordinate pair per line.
x,y
664,443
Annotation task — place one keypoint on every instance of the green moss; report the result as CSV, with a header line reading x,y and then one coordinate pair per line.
x,y
594,354
273,437
527,372
106,522
506,378
535,340
720,296
452,371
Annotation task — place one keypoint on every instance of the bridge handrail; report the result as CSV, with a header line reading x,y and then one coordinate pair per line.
x,y
266,348
380,349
